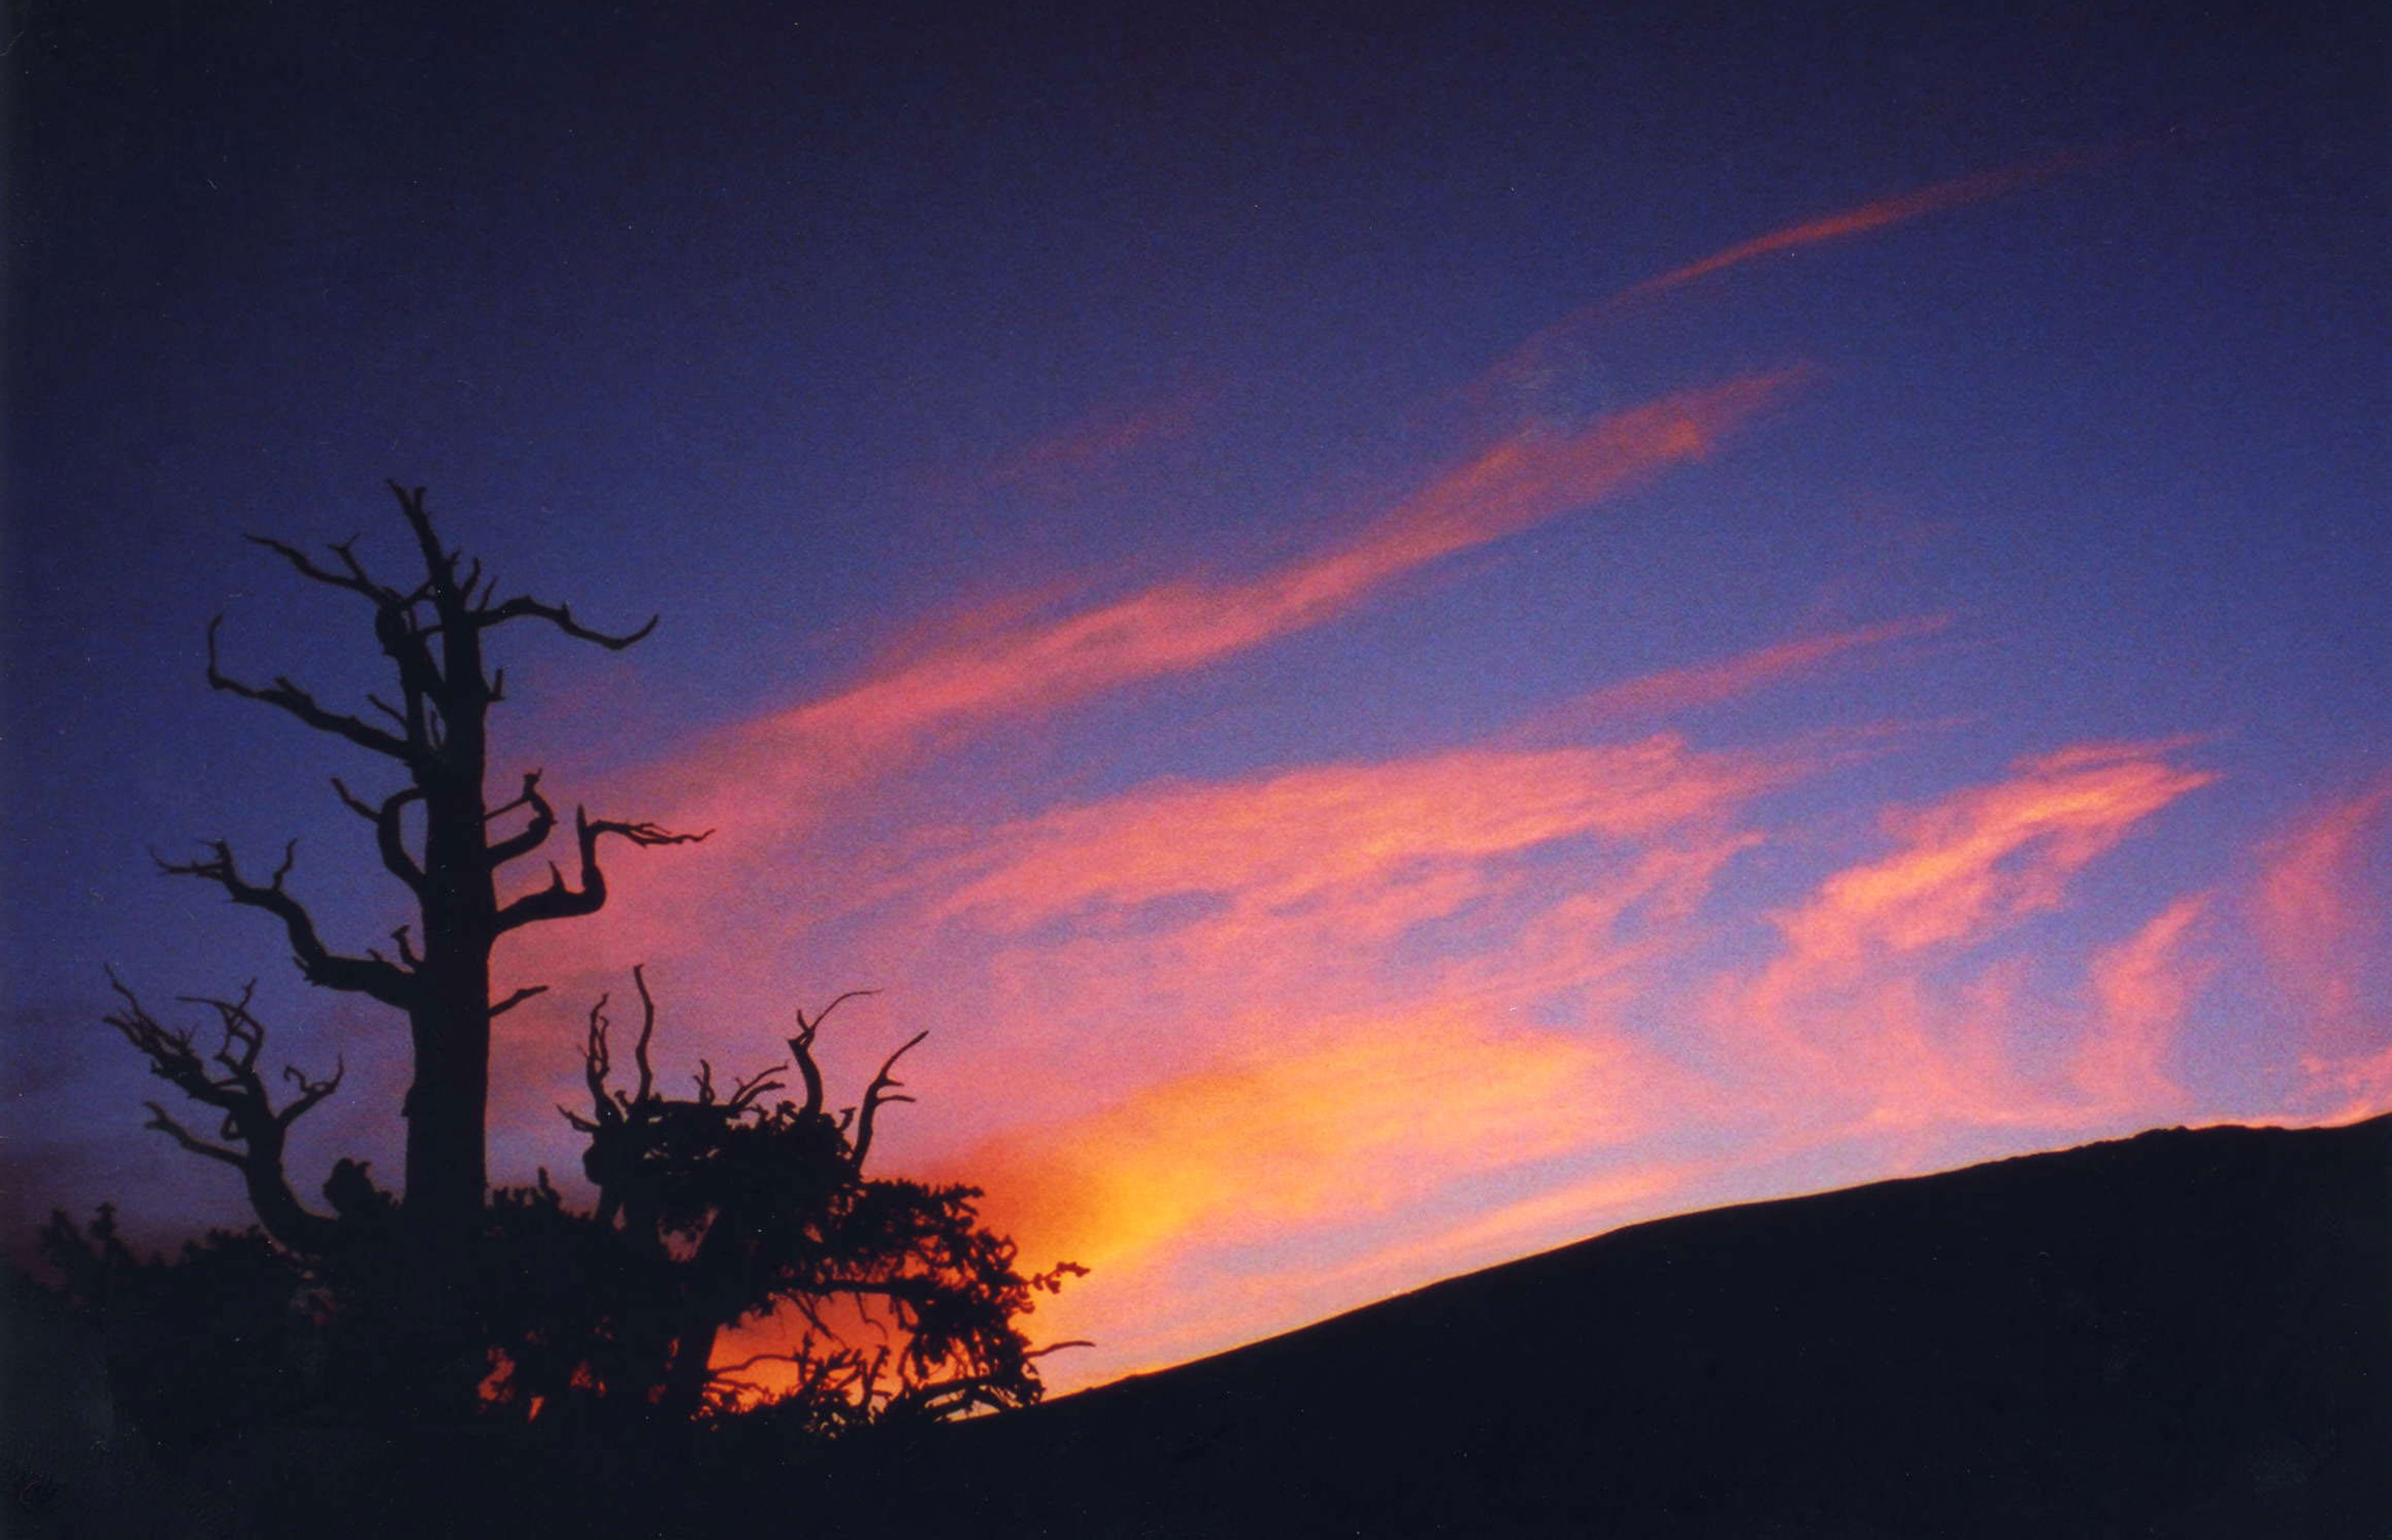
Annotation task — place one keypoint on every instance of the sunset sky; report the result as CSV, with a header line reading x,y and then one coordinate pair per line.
x,y
1412,633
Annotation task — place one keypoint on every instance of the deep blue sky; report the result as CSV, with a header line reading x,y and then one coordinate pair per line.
x,y
837,334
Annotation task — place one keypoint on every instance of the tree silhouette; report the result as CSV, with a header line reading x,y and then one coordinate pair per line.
x,y
711,1210
437,732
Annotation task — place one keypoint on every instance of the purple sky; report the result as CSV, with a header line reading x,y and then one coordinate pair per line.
x,y
1413,634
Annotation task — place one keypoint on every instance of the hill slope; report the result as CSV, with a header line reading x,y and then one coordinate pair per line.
x,y
2184,1333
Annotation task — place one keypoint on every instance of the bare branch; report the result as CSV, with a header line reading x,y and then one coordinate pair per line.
x,y
250,1117
758,1084
353,577
298,703
647,1031
801,1048
441,566
801,1051
559,900
390,830
316,963
183,1136
355,803
596,1066
310,1091
533,834
559,617
510,1001
877,1094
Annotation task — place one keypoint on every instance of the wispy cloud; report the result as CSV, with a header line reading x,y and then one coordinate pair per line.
x,y
1530,372
1880,213
2142,989
769,784
1674,690
2322,919
2317,903
1095,444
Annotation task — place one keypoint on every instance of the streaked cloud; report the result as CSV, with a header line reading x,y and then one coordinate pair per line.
x,y
1672,690
769,784
1878,214
1097,442
1279,842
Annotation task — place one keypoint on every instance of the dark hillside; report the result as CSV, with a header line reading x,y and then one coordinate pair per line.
x,y
2187,1333
2182,1334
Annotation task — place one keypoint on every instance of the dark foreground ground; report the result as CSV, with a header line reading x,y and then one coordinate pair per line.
x,y
2183,1334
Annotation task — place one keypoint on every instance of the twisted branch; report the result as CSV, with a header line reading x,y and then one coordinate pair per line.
x,y
252,1126
318,964
291,698
559,900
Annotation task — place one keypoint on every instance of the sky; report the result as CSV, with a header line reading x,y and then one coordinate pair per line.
x,y
1412,633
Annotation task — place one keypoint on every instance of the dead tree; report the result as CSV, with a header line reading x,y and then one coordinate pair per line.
x,y
436,834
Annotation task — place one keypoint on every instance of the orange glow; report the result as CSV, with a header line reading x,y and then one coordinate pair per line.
x,y
1323,1130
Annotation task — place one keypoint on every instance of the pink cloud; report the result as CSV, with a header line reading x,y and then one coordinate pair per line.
x,y
2142,989
780,765
1674,690
2320,918
1096,442
1883,214
1855,1018
773,787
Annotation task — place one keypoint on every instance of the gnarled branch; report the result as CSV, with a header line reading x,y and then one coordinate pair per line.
x,y
533,834
801,1048
559,900
298,703
510,1001
352,577
876,1095
559,617
252,1128
318,964
390,832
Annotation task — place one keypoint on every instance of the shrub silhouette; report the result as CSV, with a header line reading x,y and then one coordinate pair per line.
x,y
718,1208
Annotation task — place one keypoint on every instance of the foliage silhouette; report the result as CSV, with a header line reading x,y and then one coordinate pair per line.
x,y
711,1211
718,1207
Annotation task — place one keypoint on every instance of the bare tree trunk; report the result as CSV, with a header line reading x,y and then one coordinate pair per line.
x,y
437,729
